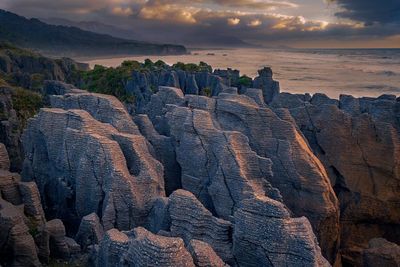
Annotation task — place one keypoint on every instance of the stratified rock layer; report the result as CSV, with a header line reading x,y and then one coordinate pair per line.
x,y
114,175
358,142
268,151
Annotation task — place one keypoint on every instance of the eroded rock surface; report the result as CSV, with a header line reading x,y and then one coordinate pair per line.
x,y
82,166
357,140
229,131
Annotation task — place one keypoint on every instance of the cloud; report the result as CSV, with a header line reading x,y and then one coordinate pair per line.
x,y
221,22
121,11
233,21
369,11
254,23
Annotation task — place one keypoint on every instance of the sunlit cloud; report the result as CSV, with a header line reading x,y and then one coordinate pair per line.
x,y
233,21
120,11
254,23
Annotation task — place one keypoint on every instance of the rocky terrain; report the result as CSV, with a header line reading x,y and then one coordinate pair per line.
x,y
205,168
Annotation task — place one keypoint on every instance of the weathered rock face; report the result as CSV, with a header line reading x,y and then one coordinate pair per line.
x,y
269,87
10,130
257,243
221,155
141,248
381,252
104,108
190,220
112,249
114,176
145,83
4,159
90,231
358,141
147,249
203,254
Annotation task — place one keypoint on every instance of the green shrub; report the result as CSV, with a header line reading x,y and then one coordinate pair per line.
x,y
245,81
207,91
26,103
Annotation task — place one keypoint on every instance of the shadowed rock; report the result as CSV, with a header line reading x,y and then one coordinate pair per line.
x,y
4,160
90,231
112,249
17,247
381,252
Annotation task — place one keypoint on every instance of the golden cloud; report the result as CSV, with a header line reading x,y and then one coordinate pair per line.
x,y
233,21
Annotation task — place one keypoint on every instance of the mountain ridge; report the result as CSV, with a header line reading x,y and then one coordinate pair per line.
x,y
59,40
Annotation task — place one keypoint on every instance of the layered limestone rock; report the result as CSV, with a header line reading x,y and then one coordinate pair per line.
x,y
190,220
10,130
4,160
90,231
82,166
112,249
141,248
147,249
104,108
164,151
17,246
381,252
203,254
283,240
206,125
358,142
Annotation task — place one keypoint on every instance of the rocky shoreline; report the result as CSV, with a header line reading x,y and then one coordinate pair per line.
x,y
204,170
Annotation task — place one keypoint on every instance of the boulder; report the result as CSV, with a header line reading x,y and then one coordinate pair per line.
x,y
90,231
203,254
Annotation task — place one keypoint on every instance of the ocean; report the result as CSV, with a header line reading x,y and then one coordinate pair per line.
x,y
359,72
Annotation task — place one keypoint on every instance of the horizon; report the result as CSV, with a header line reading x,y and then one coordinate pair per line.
x,y
298,24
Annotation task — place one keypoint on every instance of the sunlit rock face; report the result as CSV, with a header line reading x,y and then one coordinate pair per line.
x,y
357,140
82,165
243,148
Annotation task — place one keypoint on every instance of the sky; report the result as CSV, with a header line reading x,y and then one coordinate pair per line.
x,y
271,23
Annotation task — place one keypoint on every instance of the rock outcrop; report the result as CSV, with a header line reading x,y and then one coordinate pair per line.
x,y
203,254
358,141
277,150
190,220
90,231
381,252
114,176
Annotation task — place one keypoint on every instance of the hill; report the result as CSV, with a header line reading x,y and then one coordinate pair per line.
x,y
71,41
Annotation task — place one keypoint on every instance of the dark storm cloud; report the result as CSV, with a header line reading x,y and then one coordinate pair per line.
x,y
370,11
